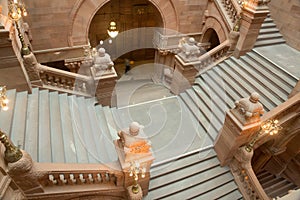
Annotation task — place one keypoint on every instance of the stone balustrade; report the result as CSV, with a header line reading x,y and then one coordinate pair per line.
x,y
232,8
79,174
65,81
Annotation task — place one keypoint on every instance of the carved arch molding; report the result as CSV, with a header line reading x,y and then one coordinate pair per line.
x,y
215,24
84,11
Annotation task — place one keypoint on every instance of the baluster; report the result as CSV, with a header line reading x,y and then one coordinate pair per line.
x,y
62,178
103,177
52,179
49,79
81,178
69,84
90,178
63,83
72,178
56,81
99,179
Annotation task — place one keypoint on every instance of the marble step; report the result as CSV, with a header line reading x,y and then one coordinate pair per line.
x,y
272,41
32,125
261,70
6,117
44,139
261,79
57,146
268,36
274,69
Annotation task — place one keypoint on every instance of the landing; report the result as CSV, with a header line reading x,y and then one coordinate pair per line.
x,y
283,55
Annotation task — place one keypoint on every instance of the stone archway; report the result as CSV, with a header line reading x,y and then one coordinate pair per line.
x,y
84,11
213,24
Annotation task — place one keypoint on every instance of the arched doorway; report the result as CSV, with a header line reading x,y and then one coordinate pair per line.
x,y
135,21
211,37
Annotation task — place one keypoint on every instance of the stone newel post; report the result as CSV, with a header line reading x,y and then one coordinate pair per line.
x,y
241,123
135,158
253,14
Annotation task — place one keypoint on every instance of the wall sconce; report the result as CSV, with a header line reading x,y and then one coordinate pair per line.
x,y
270,127
3,98
134,172
16,9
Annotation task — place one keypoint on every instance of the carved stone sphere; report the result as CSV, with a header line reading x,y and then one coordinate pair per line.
x,y
254,97
134,128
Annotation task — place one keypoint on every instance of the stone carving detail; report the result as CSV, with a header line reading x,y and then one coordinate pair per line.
x,y
189,50
102,62
131,142
32,66
248,110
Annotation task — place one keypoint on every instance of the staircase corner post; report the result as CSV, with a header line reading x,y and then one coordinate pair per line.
x,y
253,15
241,123
135,157
21,167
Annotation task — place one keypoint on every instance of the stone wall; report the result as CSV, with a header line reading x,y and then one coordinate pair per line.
x,y
286,14
65,23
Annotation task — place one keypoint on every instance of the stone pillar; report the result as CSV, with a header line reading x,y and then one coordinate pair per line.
x,y
241,123
132,149
252,16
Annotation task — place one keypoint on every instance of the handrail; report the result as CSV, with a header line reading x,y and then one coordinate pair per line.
x,y
79,174
65,81
245,177
209,59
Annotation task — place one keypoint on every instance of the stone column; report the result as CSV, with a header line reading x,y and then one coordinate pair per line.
x,y
241,123
253,14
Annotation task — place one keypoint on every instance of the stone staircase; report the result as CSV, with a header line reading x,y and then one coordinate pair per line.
x,y
215,91
269,34
275,186
57,128
196,175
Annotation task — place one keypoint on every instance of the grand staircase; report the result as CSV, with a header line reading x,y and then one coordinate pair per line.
x,y
57,128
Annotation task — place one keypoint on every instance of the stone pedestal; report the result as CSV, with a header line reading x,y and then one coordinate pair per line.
x,y
105,85
241,123
252,17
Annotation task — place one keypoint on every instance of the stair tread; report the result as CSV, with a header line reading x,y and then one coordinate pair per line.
x,y
200,180
218,79
231,83
268,25
44,154
263,70
87,134
285,77
182,162
197,113
248,87
227,189
67,130
235,194
6,117
112,127
57,147
32,126
268,36
206,109
18,127
268,30
81,153
262,80
272,41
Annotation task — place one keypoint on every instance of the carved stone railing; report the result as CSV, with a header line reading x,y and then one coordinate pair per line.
x,y
245,177
209,59
63,81
170,42
232,8
59,175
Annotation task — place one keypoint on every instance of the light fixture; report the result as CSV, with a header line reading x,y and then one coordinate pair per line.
x,y
135,170
270,127
3,98
16,9
112,29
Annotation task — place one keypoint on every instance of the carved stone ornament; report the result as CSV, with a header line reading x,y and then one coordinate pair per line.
x,y
102,62
189,50
31,65
248,110
135,196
